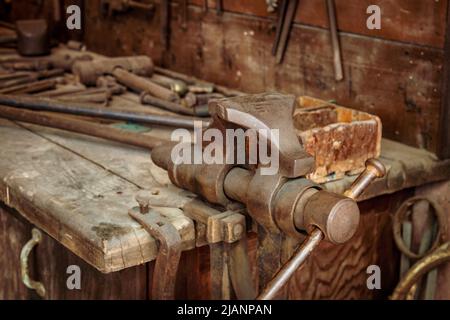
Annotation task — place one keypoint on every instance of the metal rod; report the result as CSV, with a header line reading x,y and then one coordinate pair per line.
x,y
337,60
193,80
33,87
280,21
80,126
37,103
285,273
286,30
172,106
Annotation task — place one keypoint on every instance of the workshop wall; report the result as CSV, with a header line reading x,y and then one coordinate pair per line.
x,y
395,72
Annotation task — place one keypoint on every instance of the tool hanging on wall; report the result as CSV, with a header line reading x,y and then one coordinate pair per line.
x,y
335,44
183,5
165,24
219,7
284,25
286,15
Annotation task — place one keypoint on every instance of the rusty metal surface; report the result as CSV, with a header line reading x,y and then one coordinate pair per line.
x,y
335,215
80,126
92,110
401,214
434,259
337,229
89,71
268,111
340,139
169,251
374,169
32,37
240,271
285,273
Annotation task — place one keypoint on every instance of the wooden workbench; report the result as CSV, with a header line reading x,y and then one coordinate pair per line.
x,y
78,190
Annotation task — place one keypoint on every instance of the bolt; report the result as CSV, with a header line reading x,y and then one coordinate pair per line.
x,y
143,201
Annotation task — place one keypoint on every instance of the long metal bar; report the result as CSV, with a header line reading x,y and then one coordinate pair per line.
x,y
43,104
280,21
286,29
80,126
285,273
337,59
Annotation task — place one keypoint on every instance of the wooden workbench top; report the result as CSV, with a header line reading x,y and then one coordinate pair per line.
x,y
79,189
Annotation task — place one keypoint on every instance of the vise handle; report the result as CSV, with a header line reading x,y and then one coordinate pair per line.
x,y
374,169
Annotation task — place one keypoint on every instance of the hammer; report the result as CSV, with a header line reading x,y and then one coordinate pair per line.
x,y
129,71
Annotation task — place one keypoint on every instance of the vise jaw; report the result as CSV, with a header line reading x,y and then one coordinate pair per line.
x,y
265,113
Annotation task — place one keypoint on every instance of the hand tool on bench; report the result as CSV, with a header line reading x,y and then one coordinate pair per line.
x,y
283,205
178,86
74,124
8,38
32,37
284,26
128,71
37,86
8,86
206,87
44,104
30,65
337,60
174,107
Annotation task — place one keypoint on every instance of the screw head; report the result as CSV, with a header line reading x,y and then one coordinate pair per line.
x,y
142,198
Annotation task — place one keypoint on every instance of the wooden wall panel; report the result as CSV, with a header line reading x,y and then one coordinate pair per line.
x,y
414,21
399,82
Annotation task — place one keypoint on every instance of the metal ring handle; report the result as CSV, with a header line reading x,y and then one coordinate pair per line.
x,y
24,254
422,267
401,214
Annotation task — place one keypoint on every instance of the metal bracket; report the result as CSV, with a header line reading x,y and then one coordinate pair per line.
x,y
166,265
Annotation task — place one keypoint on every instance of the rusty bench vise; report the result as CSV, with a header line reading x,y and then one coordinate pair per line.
x,y
284,206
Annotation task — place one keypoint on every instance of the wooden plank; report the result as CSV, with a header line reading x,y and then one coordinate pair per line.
x,y
14,233
52,261
77,201
131,163
398,82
